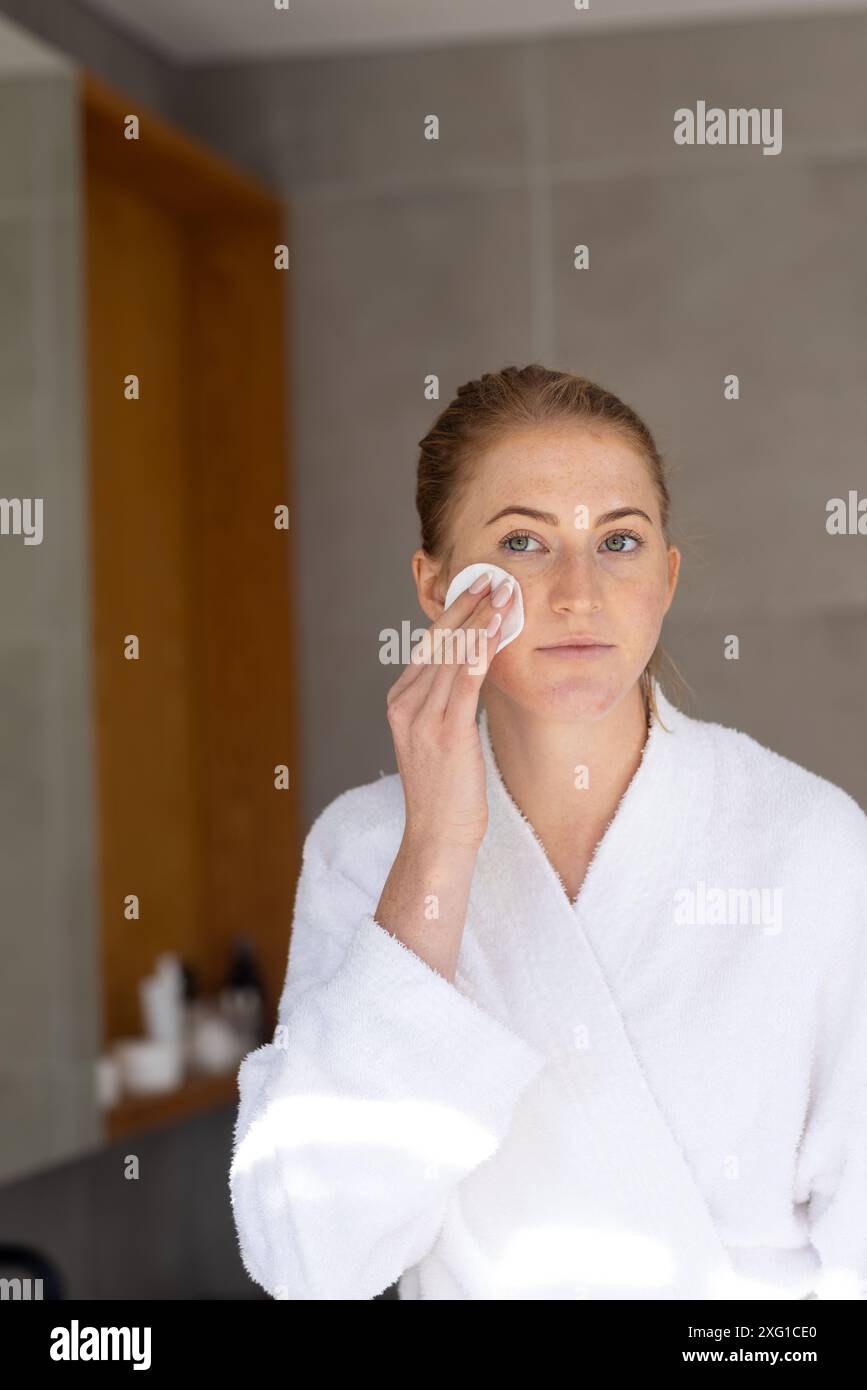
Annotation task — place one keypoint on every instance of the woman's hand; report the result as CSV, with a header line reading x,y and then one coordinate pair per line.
x,y
432,715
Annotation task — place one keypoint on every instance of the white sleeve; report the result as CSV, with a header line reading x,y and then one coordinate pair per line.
x,y
833,1153
383,1087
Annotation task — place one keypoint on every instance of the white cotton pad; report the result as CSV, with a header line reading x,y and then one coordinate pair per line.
x,y
513,619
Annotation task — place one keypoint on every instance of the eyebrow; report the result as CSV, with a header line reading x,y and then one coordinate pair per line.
x,y
551,520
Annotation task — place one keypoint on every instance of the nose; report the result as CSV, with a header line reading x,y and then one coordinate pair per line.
x,y
574,583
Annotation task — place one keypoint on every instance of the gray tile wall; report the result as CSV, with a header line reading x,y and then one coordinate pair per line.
x,y
49,996
411,257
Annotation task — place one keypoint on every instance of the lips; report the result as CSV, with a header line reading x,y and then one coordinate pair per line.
x,y
577,649
573,642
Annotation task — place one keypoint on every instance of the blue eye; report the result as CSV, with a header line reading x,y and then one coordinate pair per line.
x,y
521,549
623,536
522,543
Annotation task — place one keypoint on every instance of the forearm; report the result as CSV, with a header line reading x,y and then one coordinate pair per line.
x,y
424,901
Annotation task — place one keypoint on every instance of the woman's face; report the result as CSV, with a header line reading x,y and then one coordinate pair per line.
x,y
580,574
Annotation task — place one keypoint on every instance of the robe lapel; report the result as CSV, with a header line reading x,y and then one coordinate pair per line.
x,y
546,966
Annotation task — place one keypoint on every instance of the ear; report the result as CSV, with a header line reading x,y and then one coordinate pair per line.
x,y
673,572
429,584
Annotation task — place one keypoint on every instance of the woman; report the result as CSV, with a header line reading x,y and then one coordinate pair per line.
x,y
575,1002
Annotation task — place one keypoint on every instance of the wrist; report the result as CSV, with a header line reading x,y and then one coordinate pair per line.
x,y
433,849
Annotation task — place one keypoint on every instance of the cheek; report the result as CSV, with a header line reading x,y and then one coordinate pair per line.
x,y
643,603
534,593
635,585
510,670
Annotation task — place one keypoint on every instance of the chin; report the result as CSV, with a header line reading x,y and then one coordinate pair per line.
x,y
570,694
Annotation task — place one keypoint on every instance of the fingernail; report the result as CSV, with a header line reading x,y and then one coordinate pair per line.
x,y
481,583
503,593
494,624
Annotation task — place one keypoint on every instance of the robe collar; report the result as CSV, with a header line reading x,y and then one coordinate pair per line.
x,y
663,812
550,969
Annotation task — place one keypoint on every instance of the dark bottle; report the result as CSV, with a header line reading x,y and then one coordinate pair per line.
x,y
242,998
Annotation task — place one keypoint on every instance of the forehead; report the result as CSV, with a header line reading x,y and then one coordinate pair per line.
x,y
570,461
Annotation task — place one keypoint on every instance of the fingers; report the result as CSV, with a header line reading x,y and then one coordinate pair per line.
x,y
428,649
465,606
451,639
467,685
431,695
403,707
461,642
439,691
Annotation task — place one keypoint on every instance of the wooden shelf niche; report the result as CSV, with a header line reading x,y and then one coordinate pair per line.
x,y
181,290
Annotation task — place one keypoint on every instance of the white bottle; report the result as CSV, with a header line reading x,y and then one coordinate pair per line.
x,y
162,1000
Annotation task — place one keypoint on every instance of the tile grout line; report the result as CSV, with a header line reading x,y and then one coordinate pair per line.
x,y
539,239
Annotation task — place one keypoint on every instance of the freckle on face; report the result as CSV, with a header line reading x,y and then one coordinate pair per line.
x,y
554,468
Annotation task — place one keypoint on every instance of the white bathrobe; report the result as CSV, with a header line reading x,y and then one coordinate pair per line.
x,y
657,1092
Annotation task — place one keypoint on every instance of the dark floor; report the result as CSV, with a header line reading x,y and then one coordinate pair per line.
x,y
166,1235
